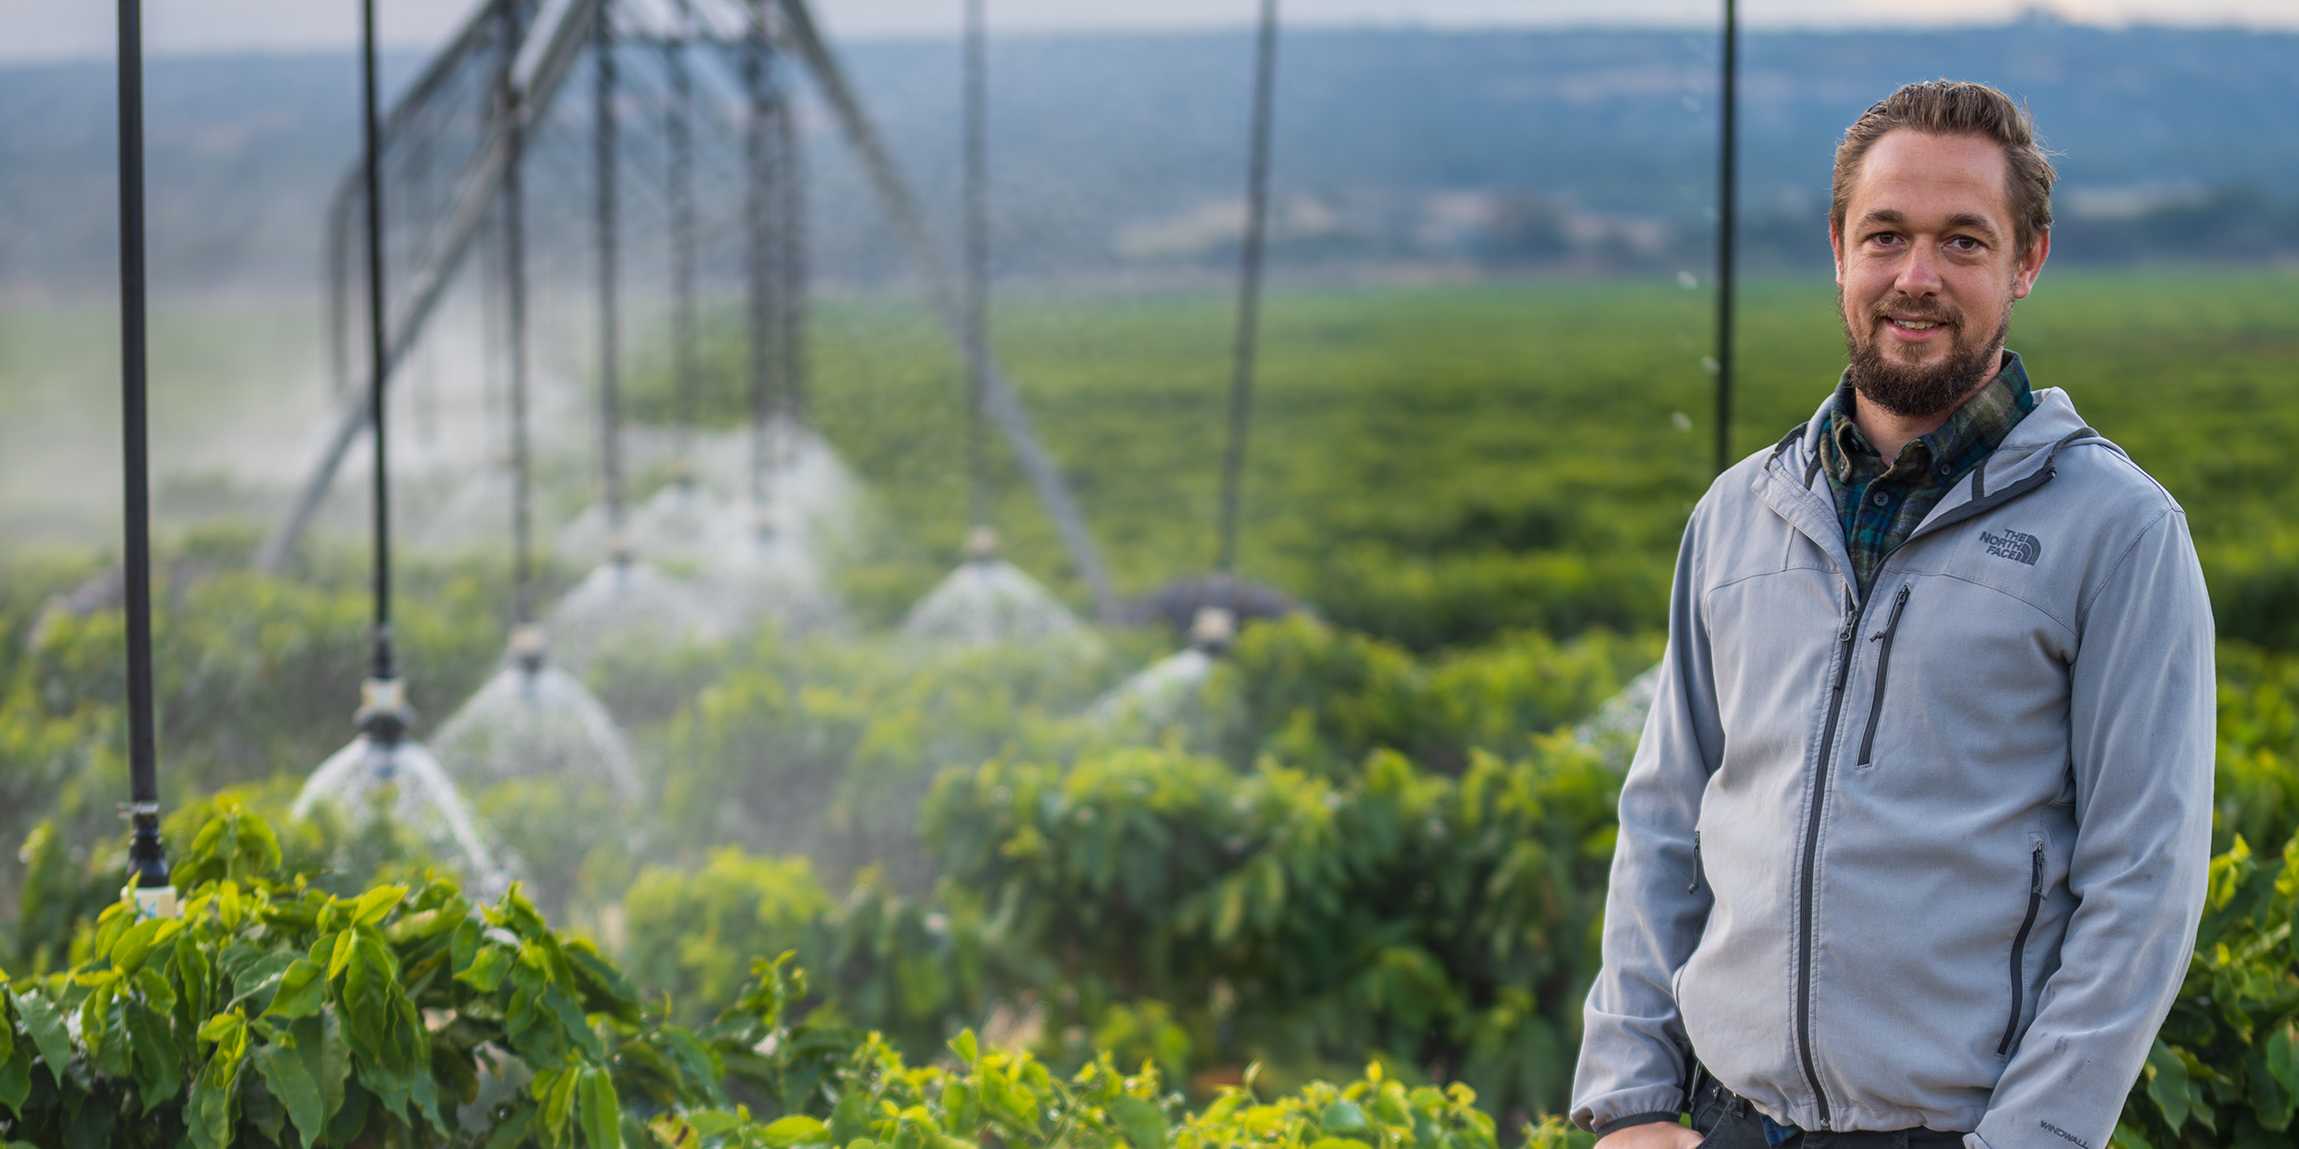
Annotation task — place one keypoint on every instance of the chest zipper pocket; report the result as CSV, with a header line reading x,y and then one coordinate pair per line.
x,y
1694,886
1883,666
2020,944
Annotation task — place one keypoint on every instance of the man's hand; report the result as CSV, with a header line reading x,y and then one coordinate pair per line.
x,y
1654,1135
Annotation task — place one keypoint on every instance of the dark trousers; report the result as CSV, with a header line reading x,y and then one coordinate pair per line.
x,y
1726,1120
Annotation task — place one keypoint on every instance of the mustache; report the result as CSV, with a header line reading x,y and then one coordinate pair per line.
x,y
1912,309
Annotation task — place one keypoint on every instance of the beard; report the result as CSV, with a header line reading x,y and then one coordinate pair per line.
x,y
1915,390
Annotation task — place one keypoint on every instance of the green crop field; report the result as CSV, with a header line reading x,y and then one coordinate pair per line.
x,y
1371,849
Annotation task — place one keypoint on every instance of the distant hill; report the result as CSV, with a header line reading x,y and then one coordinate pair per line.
x,y
1117,153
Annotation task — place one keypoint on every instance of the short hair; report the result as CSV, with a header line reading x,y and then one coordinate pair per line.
x,y
1956,108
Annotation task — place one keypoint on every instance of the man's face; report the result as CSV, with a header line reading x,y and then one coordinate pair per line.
x,y
1927,269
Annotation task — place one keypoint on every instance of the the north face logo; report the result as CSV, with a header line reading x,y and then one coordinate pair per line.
x,y
2013,545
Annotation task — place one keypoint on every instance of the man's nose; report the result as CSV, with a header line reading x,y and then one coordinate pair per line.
x,y
1919,272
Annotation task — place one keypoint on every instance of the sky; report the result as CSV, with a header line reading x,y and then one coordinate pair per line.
x,y
51,29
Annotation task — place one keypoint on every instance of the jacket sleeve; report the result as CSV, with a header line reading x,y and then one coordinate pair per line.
x,y
1633,1050
2142,718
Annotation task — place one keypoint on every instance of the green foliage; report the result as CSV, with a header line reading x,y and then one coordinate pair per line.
x,y
913,972
272,1013
1440,922
2225,1069
282,1015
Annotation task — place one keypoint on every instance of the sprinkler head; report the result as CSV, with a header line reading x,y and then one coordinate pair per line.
x,y
1213,631
982,545
383,715
619,550
529,645
149,883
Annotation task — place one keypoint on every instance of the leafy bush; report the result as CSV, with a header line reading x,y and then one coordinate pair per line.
x,y
2225,1069
915,973
1442,923
274,1014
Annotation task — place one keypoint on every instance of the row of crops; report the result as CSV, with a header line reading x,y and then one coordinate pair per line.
x,y
1347,891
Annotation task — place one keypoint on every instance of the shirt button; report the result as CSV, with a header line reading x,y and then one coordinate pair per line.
x,y
1880,499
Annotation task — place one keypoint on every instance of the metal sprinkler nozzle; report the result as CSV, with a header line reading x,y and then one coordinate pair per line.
x,y
383,715
982,545
529,646
149,883
1213,631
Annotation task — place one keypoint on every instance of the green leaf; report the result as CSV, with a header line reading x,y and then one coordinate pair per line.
x,y
208,1118
2167,1084
301,992
47,1029
1344,1118
599,1110
796,1129
554,1094
159,1072
2283,1056
377,904
1142,1122
286,1074
339,959
16,1081
326,1057
967,1047
487,968
137,943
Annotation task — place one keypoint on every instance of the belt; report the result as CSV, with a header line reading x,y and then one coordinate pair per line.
x,y
1729,1121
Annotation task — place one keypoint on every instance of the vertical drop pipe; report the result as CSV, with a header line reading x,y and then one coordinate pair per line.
x,y
1249,289
678,131
1727,220
385,669
514,262
974,100
610,311
757,209
148,879
791,256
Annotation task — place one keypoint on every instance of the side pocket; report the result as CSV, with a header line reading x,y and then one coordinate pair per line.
x,y
2020,944
1883,665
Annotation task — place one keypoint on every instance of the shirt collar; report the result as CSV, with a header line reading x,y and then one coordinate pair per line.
x,y
1971,432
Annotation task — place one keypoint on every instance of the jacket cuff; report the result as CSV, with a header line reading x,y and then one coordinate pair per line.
x,y
1603,1128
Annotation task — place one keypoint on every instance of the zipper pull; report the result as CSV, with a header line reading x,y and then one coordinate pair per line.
x,y
2036,871
1694,887
1899,603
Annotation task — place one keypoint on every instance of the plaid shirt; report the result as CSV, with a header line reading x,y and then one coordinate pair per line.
x,y
1881,505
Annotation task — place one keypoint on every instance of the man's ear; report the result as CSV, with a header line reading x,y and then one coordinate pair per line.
x,y
1836,250
2032,264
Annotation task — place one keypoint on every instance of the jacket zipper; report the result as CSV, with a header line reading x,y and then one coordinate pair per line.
x,y
1883,663
2020,944
1695,886
1854,613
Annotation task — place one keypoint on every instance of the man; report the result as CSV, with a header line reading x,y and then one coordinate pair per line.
x,y
1914,845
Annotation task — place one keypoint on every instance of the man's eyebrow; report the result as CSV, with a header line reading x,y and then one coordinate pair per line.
x,y
1970,222
1964,221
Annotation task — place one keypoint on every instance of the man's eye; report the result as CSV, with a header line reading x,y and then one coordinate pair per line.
x,y
1964,243
1887,238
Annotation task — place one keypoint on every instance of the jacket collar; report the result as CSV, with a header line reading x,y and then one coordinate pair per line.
x,y
2019,464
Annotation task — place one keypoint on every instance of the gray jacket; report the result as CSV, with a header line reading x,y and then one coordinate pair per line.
x,y
1935,858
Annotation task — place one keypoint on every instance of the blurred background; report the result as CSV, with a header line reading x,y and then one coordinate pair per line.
x,y
979,705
